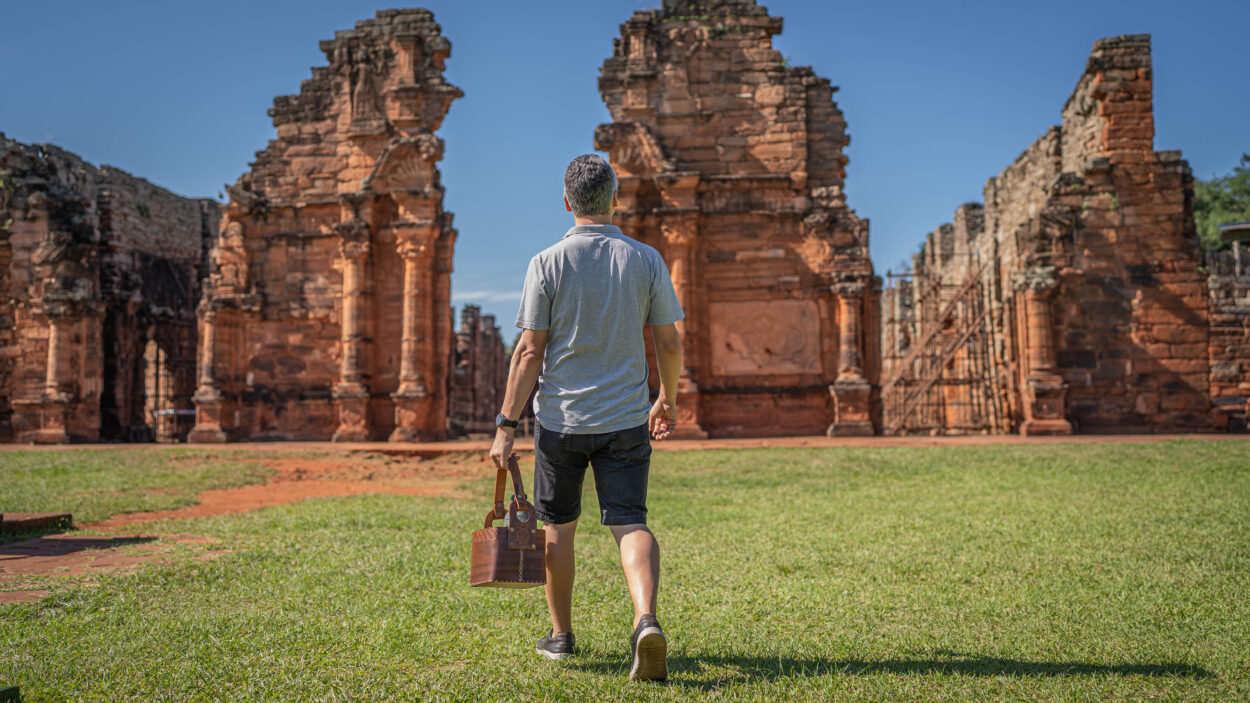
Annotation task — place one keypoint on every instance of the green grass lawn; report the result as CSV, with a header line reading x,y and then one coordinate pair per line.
x,y
96,483
1053,572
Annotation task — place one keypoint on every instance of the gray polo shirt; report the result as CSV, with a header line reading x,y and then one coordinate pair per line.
x,y
593,291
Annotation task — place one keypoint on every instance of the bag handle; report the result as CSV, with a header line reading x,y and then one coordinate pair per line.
x,y
518,487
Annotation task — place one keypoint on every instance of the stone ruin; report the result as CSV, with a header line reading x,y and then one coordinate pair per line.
x,y
731,164
1074,299
479,373
99,274
1229,285
327,314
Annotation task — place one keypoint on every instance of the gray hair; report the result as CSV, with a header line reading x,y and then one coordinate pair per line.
x,y
589,184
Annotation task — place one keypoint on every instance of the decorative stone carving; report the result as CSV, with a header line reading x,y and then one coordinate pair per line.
x,y
765,338
230,261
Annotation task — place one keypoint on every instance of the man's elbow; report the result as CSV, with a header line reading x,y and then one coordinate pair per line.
x,y
667,340
531,348
530,354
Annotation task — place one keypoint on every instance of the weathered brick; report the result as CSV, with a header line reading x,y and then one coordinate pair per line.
x,y
747,160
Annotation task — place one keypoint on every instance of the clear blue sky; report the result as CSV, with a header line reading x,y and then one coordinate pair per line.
x,y
938,96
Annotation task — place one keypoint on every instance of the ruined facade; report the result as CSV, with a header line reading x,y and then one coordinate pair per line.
x,y
479,374
1229,277
731,164
99,277
327,313
1074,299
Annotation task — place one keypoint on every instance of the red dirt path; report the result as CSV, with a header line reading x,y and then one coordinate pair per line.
x,y
295,478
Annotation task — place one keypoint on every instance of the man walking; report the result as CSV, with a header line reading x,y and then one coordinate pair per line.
x,y
585,302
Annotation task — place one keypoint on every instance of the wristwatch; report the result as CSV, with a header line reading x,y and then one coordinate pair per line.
x,y
502,420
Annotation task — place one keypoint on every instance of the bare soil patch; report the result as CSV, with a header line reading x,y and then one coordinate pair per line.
x,y
299,478
296,477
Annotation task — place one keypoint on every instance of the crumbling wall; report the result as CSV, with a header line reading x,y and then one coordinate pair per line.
x,y
1229,286
731,164
1097,307
327,311
1131,307
94,264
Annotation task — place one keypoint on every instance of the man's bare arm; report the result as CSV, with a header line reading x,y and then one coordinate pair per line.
x,y
668,357
527,363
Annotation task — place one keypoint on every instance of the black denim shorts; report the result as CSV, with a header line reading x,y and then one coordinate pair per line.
x,y
621,462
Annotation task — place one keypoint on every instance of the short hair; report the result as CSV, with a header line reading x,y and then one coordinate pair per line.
x,y
589,184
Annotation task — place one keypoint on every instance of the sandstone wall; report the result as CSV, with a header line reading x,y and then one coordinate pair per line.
x,y
1097,308
96,267
1229,286
479,374
327,314
731,164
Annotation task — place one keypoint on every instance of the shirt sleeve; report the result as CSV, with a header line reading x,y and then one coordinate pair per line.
x,y
664,309
535,312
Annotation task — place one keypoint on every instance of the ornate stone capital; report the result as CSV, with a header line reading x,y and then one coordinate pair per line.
x,y
354,249
849,289
1036,278
415,248
207,310
680,229
355,238
415,240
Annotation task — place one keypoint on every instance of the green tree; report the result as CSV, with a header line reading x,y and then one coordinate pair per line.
x,y
1220,201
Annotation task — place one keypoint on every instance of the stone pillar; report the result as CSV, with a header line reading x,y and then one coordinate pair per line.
x,y
680,230
850,390
1043,390
413,398
54,402
208,397
351,394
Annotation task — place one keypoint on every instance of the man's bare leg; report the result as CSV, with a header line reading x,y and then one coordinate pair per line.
x,y
640,558
560,572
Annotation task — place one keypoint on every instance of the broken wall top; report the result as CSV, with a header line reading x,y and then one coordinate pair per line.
x,y
384,82
704,82
87,206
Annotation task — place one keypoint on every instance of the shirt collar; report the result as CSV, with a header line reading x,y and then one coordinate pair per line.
x,y
593,229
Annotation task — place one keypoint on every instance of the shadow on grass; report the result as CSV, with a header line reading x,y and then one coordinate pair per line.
x,y
55,545
713,672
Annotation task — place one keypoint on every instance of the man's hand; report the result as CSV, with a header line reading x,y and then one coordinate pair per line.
x,y
502,449
663,420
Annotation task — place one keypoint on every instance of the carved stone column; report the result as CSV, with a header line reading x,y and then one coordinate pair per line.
x,y
850,390
54,402
208,397
1044,391
351,394
680,230
413,398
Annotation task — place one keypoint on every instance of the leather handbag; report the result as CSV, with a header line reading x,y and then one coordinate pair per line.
x,y
514,556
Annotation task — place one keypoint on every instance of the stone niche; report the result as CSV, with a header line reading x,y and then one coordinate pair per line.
x,y
730,164
327,313
1097,305
99,274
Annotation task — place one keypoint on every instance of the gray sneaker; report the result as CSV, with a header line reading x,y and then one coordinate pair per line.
x,y
555,646
650,651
